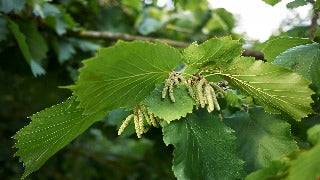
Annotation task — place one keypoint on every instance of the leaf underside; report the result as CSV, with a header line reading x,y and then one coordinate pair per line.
x,y
123,75
49,131
304,59
277,89
205,148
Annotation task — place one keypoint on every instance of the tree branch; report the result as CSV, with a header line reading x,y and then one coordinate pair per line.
x,y
314,24
116,36
106,35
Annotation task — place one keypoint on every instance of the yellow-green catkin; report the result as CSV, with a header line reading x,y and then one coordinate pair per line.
x,y
165,88
171,92
214,98
125,124
136,125
200,93
208,96
153,120
145,114
141,119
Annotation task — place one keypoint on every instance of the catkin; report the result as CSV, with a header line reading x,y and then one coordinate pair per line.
x,y
136,125
214,98
171,92
200,92
209,97
125,124
153,120
165,88
145,113
190,89
141,119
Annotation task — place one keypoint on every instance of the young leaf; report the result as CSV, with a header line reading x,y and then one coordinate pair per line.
x,y
304,59
275,47
205,148
49,131
261,137
123,75
277,89
165,109
218,52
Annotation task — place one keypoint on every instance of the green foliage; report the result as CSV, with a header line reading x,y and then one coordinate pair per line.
x,y
304,59
272,2
261,137
297,3
7,6
294,166
205,148
49,131
121,72
271,86
25,49
314,134
216,52
274,47
165,109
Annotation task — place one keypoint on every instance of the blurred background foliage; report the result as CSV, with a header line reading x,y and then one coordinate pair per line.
x,y
42,44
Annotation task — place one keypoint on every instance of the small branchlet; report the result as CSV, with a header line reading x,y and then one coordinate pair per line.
x,y
139,116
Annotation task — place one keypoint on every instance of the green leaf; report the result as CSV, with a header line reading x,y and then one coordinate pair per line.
x,y
272,2
123,75
297,3
261,137
3,29
205,148
216,52
167,110
49,131
7,6
277,89
37,45
314,134
275,47
304,59
21,40
317,5
306,166
275,170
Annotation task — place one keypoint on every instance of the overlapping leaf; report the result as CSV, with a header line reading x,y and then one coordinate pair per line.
x,y
277,89
216,52
274,47
261,137
304,59
167,110
49,131
205,148
123,75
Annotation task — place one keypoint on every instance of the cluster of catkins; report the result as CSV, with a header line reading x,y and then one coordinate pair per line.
x,y
139,116
198,88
